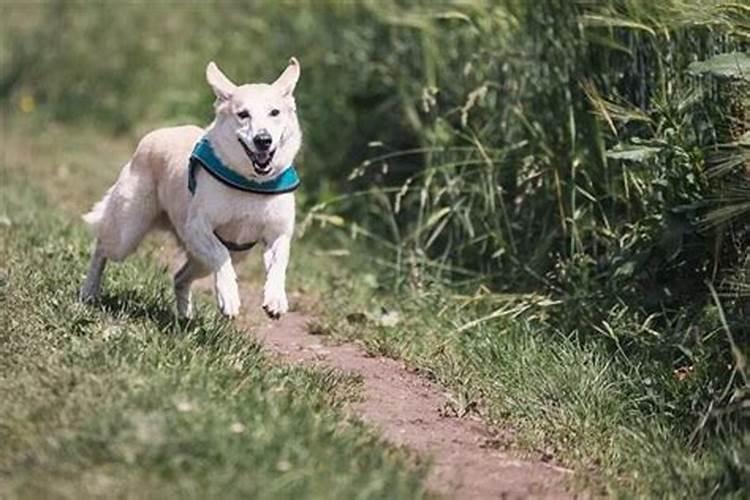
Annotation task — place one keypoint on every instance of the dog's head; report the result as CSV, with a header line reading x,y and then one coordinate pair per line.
x,y
256,129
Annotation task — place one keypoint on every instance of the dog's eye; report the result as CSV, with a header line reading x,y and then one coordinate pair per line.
x,y
243,115
275,112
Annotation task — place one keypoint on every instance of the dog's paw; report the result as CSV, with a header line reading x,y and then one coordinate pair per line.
x,y
228,297
229,303
184,303
275,304
88,294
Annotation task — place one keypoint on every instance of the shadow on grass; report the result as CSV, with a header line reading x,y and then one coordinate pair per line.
x,y
139,307
156,306
205,330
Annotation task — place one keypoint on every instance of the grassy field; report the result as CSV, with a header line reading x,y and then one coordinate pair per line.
x,y
121,400
541,204
125,399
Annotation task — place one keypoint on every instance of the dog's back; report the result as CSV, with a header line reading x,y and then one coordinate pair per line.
x,y
166,149
154,178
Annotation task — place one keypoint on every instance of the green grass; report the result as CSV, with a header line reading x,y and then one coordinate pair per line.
x,y
120,400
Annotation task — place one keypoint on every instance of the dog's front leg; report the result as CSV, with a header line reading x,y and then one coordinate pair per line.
x,y
203,244
276,258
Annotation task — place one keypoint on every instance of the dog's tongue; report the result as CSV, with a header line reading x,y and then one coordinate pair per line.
x,y
262,157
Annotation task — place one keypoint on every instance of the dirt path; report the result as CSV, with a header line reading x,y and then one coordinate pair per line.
x,y
407,408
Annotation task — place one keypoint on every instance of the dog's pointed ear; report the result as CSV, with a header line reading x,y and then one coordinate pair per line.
x,y
288,79
221,85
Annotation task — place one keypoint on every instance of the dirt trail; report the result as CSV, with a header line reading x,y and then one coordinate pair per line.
x,y
407,408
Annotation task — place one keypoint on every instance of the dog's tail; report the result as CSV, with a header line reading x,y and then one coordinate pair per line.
x,y
94,217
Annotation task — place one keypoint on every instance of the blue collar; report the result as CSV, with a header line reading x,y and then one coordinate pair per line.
x,y
203,155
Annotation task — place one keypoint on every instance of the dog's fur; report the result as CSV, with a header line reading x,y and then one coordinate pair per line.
x,y
152,192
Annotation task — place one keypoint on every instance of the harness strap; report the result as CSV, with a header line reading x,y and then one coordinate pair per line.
x,y
235,247
192,167
203,155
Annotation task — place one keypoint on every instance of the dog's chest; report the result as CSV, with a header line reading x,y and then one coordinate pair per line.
x,y
254,218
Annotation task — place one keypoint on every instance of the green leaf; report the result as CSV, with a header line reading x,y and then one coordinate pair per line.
x,y
615,22
632,153
731,65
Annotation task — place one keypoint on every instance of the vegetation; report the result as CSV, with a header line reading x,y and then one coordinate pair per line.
x,y
556,193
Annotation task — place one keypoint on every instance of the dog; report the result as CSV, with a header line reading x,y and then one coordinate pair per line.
x,y
219,190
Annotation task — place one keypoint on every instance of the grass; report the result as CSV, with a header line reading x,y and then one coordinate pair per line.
x,y
120,400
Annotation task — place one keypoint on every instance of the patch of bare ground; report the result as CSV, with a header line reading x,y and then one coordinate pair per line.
x,y
409,410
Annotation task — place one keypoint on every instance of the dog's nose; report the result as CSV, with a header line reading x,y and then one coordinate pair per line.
x,y
263,141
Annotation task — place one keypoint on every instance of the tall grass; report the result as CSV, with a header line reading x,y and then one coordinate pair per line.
x,y
580,148
596,151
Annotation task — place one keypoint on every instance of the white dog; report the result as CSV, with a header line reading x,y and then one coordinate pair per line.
x,y
219,190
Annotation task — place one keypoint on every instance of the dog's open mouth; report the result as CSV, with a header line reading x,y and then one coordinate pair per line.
x,y
261,160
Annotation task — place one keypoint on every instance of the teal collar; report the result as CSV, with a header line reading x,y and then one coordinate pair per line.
x,y
203,155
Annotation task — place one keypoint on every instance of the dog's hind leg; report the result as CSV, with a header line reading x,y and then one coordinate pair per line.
x,y
129,210
120,221
190,271
90,289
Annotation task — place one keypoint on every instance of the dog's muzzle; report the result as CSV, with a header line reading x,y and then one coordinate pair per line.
x,y
261,159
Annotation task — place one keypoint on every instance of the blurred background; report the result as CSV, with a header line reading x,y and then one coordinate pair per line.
x,y
594,151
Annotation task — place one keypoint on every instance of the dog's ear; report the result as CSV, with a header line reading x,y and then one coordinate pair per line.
x,y
221,85
288,79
